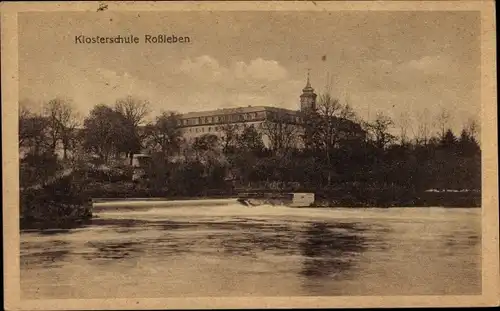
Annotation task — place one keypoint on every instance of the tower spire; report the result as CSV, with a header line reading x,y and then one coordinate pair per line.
x,y
308,88
308,84
308,97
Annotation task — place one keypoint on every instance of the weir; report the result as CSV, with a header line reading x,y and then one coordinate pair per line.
x,y
244,200
100,205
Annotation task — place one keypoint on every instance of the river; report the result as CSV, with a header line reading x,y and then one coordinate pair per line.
x,y
230,250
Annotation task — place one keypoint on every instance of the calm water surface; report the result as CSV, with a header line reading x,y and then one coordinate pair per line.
x,y
263,251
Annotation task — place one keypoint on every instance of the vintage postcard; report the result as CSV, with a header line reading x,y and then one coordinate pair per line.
x,y
174,155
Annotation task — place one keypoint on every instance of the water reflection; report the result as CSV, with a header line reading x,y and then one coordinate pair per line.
x,y
329,249
50,255
112,250
238,254
52,228
54,231
252,239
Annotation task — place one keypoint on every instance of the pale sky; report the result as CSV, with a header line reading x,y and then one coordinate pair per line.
x,y
379,61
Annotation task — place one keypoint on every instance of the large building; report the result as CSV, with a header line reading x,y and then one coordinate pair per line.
x,y
195,124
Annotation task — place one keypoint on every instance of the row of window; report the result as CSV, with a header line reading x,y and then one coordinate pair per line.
x,y
224,118
210,129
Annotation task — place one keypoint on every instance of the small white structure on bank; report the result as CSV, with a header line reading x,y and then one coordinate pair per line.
x,y
302,199
139,163
294,199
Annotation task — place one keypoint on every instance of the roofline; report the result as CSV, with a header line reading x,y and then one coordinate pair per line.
x,y
224,111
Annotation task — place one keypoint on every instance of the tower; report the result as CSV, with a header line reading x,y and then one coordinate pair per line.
x,y
308,97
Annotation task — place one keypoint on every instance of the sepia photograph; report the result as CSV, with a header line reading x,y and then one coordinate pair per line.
x,y
292,150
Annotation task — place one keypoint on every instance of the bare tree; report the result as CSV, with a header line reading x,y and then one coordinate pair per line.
x,y
404,124
442,122
134,112
473,129
63,121
329,111
133,109
281,131
422,135
323,128
379,130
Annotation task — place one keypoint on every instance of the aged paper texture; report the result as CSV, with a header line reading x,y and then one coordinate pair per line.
x,y
249,154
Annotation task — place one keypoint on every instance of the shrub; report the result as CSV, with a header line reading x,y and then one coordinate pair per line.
x,y
60,201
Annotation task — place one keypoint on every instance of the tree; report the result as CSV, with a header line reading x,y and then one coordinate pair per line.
x,y
325,127
62,121
282,132
33,133
442,122
105,132
38,164
36,169
134,112
379,131
250,140
448,140
467,144
205,145
422,134
404,125
165,135
229,137
208,152
473,129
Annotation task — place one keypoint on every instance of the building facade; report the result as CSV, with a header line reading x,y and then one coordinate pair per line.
x,y
195,124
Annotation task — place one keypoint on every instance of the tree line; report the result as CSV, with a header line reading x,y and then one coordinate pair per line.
x,y
332,148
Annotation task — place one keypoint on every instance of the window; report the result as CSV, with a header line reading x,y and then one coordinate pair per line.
x,y
209,129
203,130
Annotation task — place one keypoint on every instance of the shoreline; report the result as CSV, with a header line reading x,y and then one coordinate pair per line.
x,y
40,209
63,225
40,222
